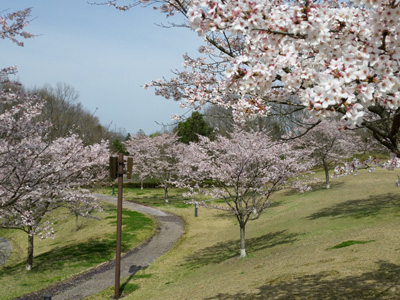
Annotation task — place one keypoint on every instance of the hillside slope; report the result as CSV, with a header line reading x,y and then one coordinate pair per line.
x,y
341,243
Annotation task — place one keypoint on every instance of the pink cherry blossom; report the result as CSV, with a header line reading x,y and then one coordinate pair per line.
x,y
37,174
328,144
331,58
243,170
156,158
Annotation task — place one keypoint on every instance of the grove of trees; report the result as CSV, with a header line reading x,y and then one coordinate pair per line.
x,y
328,59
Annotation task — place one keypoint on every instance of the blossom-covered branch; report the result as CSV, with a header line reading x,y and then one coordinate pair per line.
x,y
332,58
13,25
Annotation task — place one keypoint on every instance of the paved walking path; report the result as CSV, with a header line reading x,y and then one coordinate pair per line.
x,y
170,230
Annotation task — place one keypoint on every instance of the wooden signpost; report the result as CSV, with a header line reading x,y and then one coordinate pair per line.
x,y
117,171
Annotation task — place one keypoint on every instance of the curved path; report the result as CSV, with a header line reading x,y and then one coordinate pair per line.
x,y
170,230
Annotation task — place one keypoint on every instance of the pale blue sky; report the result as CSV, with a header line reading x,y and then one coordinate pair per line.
x,y
104,54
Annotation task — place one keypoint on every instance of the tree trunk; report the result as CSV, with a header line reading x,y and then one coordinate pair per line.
x,y
29,260
141,184
242,240
326,169
166,194
76,222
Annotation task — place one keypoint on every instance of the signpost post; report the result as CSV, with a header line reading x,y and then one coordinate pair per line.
x,y
120,173
117,171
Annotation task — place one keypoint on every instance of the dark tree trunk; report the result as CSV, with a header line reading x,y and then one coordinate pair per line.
x,y
242,240
326,169
29,260
166,194
76,222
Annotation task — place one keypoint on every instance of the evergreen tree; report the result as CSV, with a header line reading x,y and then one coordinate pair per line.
x,y
189,130
118,147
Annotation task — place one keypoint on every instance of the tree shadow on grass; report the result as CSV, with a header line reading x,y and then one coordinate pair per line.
x,y
319,186
158,200
382,283
230,249
360,208
322,185
88,254
231,215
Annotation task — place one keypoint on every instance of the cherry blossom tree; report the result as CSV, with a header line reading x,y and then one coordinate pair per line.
x,y
331,58
156,158
38,175
81,204
244,171
329,144
19,132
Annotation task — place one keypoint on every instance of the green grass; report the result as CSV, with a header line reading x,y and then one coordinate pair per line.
x,y
358,218
126,288
287,248
349,243
71,252
151,197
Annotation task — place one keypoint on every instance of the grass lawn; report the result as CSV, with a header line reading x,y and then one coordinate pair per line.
x,y
341,243
151,197
70,252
